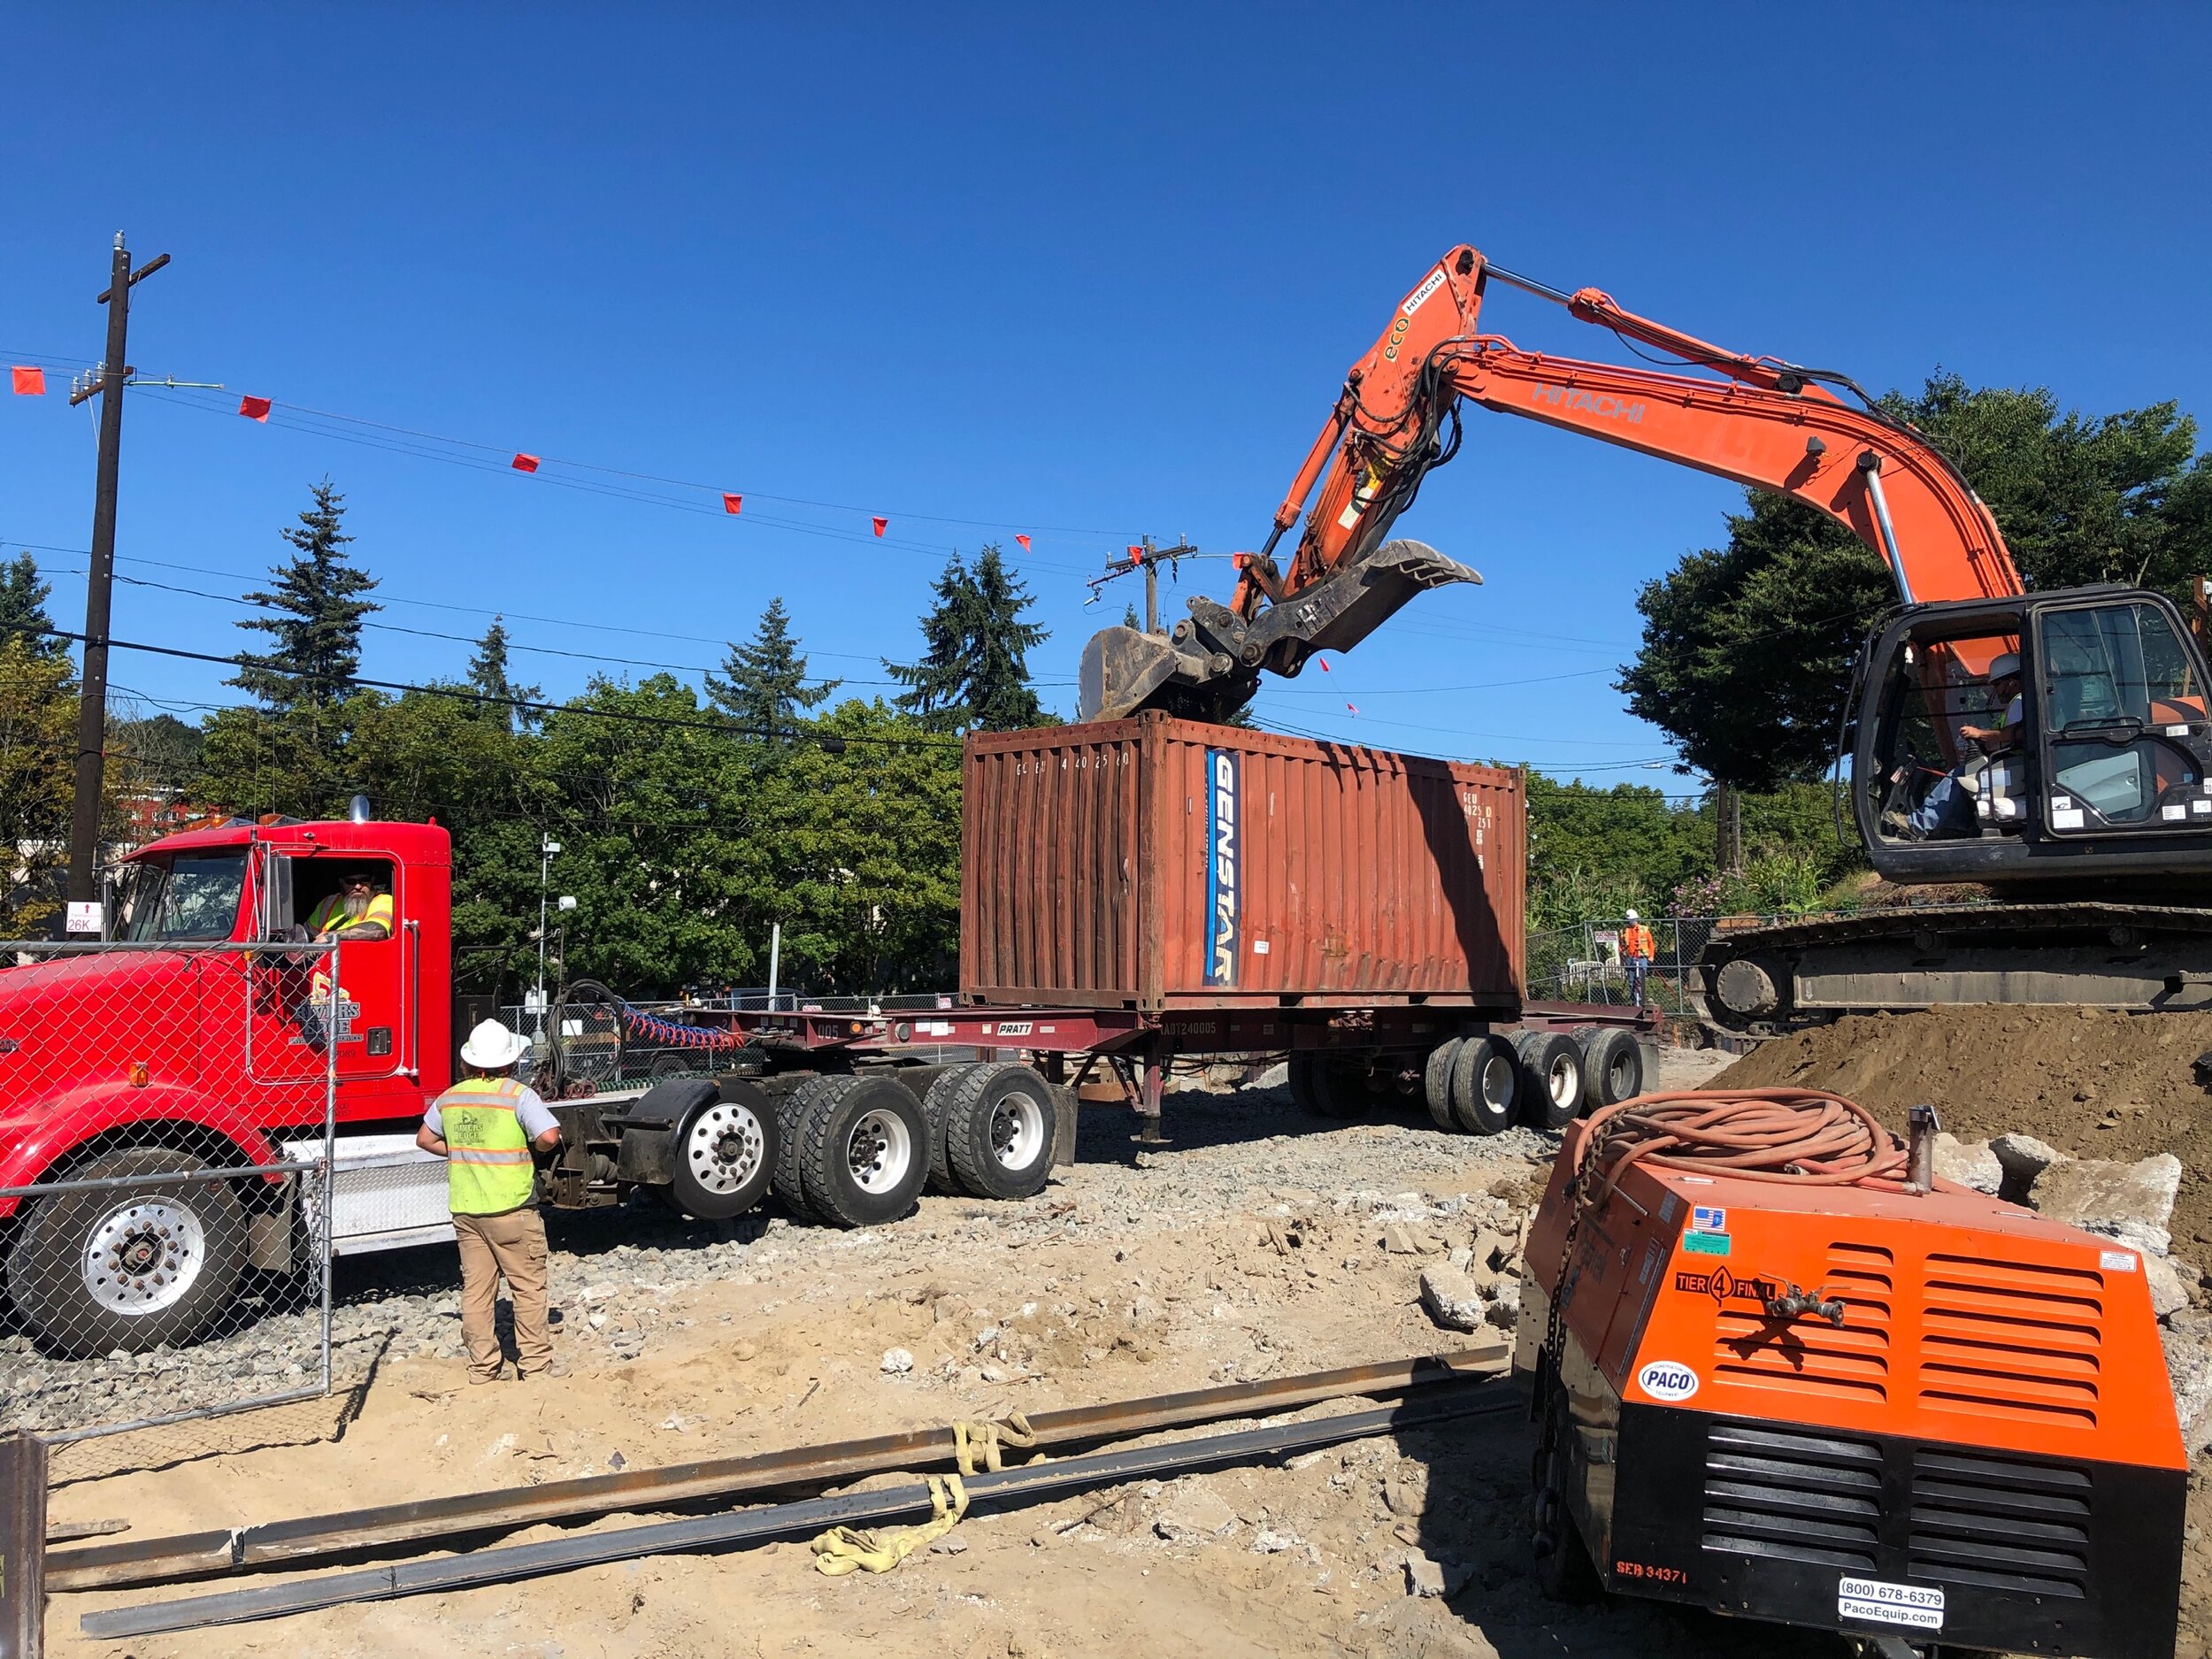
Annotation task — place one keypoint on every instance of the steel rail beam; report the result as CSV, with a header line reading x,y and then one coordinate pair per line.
x,y
1030,1484
428,1523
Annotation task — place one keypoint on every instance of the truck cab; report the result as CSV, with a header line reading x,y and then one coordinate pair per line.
x,y
203,1033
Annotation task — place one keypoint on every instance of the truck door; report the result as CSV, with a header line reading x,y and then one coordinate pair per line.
x,y
2121,717
371,984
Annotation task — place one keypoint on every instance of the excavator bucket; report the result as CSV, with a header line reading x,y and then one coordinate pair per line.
x,y
1211,662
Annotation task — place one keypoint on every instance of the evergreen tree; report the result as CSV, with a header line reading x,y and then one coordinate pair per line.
x,y
23,613
487,673
763,686
1130,618
319,631
974,673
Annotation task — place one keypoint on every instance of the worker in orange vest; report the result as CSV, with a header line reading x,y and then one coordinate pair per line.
x,y
1638,948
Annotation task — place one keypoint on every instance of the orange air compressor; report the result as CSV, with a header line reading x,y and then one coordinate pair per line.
x,y
1783,1373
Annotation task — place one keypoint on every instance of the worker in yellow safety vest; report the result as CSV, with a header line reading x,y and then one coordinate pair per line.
x,y
1638,948
486,1127
355,911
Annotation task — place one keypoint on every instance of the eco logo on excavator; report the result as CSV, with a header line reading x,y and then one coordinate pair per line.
x,y
1405,313
1605,408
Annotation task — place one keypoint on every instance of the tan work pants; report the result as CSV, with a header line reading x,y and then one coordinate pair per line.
x,y
512,1247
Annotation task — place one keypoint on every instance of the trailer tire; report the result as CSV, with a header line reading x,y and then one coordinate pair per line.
x,y
1552,1078
865,1150
726,1151
1612,1067
1317,1086
998,1132
1486,1085
66,1269
936,1107
1436,1084
792,1113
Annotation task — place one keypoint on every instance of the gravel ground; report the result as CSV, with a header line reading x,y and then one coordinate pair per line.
x,y
608,1265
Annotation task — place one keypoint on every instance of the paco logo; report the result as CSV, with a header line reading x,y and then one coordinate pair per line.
x,y
1667,1379
1224,909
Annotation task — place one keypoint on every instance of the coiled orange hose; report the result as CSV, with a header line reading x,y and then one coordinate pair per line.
x,y
1800,1136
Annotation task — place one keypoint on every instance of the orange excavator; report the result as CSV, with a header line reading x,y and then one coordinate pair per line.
x,y
2082,798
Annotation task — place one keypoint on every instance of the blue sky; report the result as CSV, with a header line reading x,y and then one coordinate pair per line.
x,y
1082,276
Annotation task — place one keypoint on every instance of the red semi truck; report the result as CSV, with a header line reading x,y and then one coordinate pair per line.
x,y
173,1048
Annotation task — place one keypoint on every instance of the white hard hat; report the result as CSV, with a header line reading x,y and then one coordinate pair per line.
x,y
491,1047
1631,916
2006,667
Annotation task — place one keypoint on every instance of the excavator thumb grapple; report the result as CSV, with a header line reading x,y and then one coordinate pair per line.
x,y
1209,666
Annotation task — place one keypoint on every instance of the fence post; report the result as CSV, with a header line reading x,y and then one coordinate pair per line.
x,y
22,1547
329,1227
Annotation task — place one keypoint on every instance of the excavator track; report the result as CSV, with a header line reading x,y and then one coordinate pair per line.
x,y
1766,981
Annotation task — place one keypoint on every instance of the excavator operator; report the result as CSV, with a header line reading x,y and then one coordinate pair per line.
x,y
1947,813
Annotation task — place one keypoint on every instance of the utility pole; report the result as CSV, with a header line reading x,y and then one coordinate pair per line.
x,y
1728,828
1151,589
92,706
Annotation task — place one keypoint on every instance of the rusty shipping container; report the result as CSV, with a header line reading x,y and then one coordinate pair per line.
x,y
1161,864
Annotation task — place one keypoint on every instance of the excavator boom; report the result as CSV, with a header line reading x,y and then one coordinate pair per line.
x,y
1764,423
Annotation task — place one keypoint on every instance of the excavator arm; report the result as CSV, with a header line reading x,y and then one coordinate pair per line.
x,y
1763,423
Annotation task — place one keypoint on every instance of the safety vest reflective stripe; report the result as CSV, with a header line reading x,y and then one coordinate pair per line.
x,y
487,1152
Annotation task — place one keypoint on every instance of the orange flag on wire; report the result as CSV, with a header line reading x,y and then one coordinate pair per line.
x,y
524,462
1023,541
881,524
255,409
29,382
733,504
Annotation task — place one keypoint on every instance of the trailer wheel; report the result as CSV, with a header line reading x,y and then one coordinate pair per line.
x,y
998,1133
1436,1083
1551,1077
1612,1066
1318,1085
1486,1085
865,1151
726,1149
128,1267
936,1108
792,1114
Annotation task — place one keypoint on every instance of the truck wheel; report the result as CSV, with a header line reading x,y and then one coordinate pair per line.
x,y
128,1267
998,1134
1436,1083
863,1158
1486,1085
1551,1077
792,1113
726,1152
1612,1066
936,1108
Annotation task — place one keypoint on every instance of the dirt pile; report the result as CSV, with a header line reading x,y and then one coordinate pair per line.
x,y
2093,1083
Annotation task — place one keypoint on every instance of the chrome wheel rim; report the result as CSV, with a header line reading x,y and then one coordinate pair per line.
x,y
878,1151
143,1259
1564,1080
1497,1083
1018,1131
724,1148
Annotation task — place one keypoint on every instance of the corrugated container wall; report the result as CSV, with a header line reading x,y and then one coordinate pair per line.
x,y
1155,863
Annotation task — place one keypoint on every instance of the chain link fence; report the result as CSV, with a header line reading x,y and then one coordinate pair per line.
x,y
1585,963
154,1273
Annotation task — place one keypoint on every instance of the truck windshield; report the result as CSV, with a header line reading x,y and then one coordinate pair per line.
x,y
193,896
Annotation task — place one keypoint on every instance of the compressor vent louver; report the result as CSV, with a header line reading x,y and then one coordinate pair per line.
x,y
2011,1339
2001,1523
1791,1496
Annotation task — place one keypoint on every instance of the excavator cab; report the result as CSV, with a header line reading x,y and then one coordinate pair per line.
x,y
2007,740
